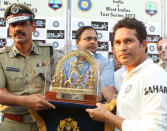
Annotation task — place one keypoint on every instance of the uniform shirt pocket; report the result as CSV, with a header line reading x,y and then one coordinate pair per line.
x,y
15,81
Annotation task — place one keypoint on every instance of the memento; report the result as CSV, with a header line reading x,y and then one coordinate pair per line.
x,y
77,84
72,83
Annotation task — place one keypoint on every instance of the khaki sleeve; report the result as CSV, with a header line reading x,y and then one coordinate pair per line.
x,y
2,77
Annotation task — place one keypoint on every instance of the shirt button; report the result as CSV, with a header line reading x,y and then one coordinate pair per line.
x,y
26,82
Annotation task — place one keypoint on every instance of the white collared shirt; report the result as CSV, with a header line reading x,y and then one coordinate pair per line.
x,y
118,78
142,100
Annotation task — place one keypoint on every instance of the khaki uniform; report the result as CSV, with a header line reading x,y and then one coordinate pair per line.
x,y
22,75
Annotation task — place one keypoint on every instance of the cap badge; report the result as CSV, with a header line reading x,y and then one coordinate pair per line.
x,y
14,9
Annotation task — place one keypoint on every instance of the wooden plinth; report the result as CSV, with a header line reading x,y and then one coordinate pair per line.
x,y
88,99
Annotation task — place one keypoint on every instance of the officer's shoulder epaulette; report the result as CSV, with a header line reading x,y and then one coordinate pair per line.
x,y
40,44
43,45
5,49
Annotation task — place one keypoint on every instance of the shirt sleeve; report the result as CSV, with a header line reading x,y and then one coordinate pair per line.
x,y
2,77
153,114
107,73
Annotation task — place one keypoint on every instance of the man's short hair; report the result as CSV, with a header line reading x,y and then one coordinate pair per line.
x,y
81,30
132,23
17,13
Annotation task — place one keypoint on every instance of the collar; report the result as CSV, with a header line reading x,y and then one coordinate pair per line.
x,y
95,55
16,52
127,75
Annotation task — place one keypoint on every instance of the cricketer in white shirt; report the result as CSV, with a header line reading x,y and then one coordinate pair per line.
x,y
141,102
142,99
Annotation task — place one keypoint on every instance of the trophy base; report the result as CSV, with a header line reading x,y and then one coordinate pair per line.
x,y
71,98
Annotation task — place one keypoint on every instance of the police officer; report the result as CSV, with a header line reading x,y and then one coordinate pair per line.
x,y
22,67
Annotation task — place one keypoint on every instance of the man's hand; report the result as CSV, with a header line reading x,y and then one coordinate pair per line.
x,y
99,113
102,114
37,102
109,93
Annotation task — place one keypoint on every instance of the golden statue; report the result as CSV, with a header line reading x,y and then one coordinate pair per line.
x,y
69,85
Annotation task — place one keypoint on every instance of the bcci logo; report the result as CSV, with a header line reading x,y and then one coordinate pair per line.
x,y
99,36
56,24
55,4
55,44
84,5
152,28
128,88
151,8
80,24
151,48
36,34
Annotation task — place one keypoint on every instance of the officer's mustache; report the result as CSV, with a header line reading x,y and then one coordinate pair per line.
x,y
19,32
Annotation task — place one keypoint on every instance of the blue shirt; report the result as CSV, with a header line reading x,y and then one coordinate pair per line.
x,y
106,74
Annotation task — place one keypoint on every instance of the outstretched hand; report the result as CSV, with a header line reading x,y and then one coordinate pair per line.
x,y
37,102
